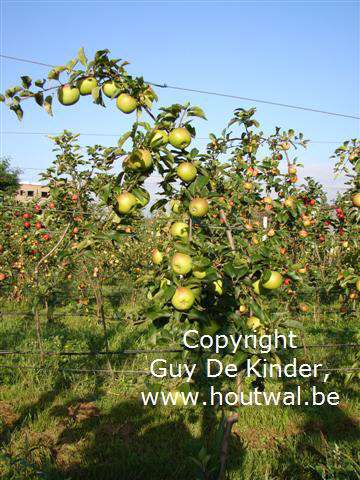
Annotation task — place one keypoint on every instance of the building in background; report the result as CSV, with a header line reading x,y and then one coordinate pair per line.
x,y
32,191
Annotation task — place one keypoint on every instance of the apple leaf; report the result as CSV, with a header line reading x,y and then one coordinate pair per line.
x,y
200,182
159,204
155,313
123,139
70,65
18,110
48,104
240,357
142,195
256,310
55,72
26,81
2,98
196,112
82,57
11,92
183,248
40,83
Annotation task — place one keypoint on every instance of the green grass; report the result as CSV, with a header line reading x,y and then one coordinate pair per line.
x,y
62,425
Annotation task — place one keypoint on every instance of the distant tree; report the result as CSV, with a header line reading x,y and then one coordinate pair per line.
x,y
9,177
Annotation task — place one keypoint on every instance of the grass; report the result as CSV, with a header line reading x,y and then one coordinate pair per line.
x,y
62,425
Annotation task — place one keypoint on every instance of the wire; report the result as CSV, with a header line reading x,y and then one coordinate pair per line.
x,y
134,372
267,102
207,92
74,353
77,370
147,352
8,57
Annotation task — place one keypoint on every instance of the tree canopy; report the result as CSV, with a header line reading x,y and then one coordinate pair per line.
x,y
9,177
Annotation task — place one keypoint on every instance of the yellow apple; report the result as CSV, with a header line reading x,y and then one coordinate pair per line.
x,y
181,263
126,103
183,298
180,230
110,89
68,95
186,171
87,85
198,207
180,138
126,202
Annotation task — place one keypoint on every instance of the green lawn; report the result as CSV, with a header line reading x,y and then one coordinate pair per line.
x,y
65,425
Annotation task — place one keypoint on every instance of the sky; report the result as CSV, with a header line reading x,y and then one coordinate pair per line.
x,y
300,53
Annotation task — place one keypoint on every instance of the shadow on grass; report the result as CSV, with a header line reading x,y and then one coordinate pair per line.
x,y
325,430
129,442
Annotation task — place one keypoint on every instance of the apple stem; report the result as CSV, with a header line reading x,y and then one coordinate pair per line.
x,y
150,113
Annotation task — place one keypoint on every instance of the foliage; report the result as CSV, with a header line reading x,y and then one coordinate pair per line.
x,y
9,178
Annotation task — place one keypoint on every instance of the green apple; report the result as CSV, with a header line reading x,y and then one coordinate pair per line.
x,y
110,89
253,323
271,280
157,257
180,138
358,284
86,85
126,202
218,285
199,274
139,159
126,103
175,206
186,171
183,299
355,198
180,230
159,138
199,207
181,263
68,95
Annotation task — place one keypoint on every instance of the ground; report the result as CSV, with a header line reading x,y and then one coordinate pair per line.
x,y
66,425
